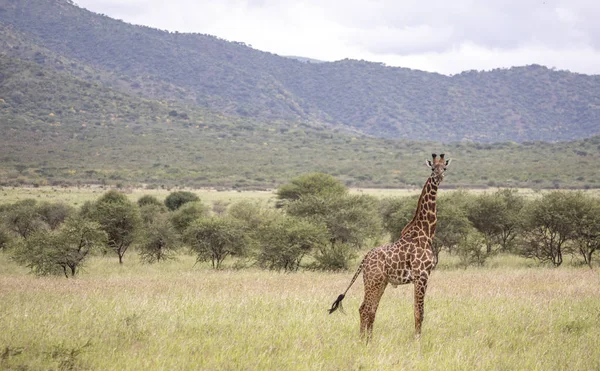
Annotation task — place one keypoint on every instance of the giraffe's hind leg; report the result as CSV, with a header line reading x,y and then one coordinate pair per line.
x,y
374,288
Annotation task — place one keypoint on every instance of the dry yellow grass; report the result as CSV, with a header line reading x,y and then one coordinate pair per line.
x,y
181,316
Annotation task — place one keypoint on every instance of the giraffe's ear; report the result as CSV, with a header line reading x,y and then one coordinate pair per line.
x,y
448,162
429,163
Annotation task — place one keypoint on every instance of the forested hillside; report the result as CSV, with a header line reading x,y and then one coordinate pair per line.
x,y
59,129
518,104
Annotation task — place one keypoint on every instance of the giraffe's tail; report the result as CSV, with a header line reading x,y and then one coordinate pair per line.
x,y
338,302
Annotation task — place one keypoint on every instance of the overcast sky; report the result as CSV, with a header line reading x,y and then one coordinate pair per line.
x,y
433,35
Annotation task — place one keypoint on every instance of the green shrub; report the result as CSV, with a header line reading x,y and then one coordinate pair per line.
x,y
178,198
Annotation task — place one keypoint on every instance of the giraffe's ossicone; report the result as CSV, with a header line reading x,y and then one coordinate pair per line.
x,y
408,260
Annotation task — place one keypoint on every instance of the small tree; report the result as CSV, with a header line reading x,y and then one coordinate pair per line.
x,y
23,218
587,240
396,213
216,238
150,211
118,217
471,250
54,213
160,240
183,217
551,223
512,221
178,198
452,226
351,220
497,217
284,242
62,251
314,184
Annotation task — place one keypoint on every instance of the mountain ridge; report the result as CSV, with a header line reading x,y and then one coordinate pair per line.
x,y
517,104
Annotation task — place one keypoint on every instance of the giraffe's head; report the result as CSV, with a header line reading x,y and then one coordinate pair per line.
x,y
438,167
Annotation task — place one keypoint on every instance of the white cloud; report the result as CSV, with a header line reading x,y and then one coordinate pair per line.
x,y
432,35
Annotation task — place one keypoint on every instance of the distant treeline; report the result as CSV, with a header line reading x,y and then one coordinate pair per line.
x,y
317,224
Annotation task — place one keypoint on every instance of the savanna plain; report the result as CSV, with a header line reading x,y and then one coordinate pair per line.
x,y
184,315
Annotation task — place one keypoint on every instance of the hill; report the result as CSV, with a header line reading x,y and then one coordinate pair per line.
x,y
59,129
518,104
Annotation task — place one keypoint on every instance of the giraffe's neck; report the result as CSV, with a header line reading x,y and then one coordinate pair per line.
x,y
426,215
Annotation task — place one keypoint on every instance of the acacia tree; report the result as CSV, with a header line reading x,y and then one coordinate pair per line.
x,y
54,213
286,240
497,217
551,223
452,226
588,231
216,238
118,217
396,213
351,220
23,218
471,250
160,240
187,214
61,251
511,223
313,184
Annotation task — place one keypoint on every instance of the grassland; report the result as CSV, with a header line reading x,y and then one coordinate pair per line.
x,y
181,316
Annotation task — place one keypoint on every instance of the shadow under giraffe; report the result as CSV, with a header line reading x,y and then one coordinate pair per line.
x,y
408,260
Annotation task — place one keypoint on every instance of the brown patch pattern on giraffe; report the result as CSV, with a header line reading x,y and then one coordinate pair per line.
x,y
408,260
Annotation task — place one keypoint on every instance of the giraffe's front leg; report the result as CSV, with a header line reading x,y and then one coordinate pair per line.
x,y
420,282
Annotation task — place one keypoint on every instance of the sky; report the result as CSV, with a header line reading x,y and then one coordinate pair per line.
x,y
441,36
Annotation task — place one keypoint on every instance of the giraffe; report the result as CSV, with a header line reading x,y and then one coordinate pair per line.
x,y
409,259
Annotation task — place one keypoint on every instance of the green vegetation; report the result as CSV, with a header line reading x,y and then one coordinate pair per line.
x,y
179,198
324,229
118,217
62,251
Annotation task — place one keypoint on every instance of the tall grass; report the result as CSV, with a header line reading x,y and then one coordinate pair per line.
x,y
184,316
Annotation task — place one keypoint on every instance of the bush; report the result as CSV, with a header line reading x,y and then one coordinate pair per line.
x,y
217,238
176,199
284,242
472,250
315,184
333,258
187,214
396,213
148,200
149,212
5,238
